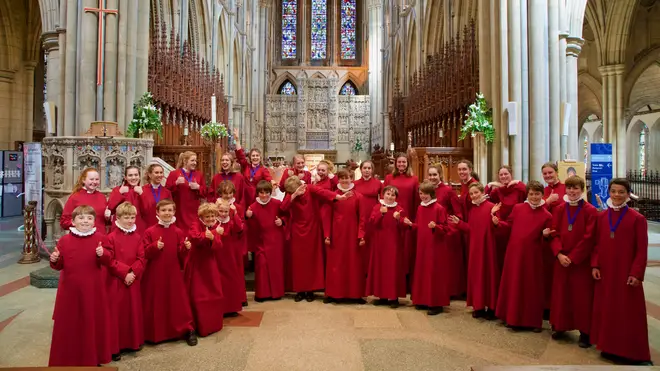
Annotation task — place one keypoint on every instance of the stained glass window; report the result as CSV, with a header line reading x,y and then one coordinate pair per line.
x,y
348,21
287,88
319,29
643,158
289,28
348,89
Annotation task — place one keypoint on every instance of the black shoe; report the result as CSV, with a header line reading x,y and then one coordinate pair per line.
x,y
584,341
360,301
434,311
274,299
558,335
381,302
421,307
490,315
230,314
327,300
478,313
299,297
245,304
258,300
191,338
310,297
546,314
116,357
644,363
393,303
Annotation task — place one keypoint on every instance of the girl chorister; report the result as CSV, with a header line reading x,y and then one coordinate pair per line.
x,y
152,193
129,191
86,192
229,259
227,173
370,188
188,188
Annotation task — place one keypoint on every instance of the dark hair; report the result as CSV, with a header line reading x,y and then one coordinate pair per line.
x,y
226,186
575,182
365,162
126,173
507,167
83,210
571,170
471,167
534,185
165,202
551,165
391,188
427,188
264,186
620,181
343,174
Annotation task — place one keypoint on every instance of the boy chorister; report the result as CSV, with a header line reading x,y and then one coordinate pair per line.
x,y
81,330
127,266
201,273
229,259
521,298
162,281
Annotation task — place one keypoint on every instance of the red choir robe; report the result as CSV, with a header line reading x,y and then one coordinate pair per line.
x,y
148,200
619,313
269,249
559,189
344,270
408,199
306,239
163,285
230,264
448,199
433,265
116,198
325,209
510,197
187,200
128,257
204,280
305,176
82,335
239,183
572,287
252,175
242,258
483,278
95,199
464,197
521,298
386,278
370,190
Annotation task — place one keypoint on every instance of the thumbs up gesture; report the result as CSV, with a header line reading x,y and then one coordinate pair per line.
x,y
180,180
397,215
409,223
138,189
249,213
552,198
208,234
187,244
99,250
383,209
123,189
107,213
220,230
193,185
290,172
160,244
431,224
232,207
362,242
278,221
547,232
55,255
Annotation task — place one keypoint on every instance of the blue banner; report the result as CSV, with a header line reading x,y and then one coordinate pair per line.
x,y
601,171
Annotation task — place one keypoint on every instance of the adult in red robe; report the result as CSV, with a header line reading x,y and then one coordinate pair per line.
x,y
86,192
467,176
554,192
408,185
521,298
619,326
230,260
129,191
344,270
227,173
297,169
162,282
151,194
370,188
433,268
202,274
81,330
253,170
188,188
483,279
573,224
264,219
127,267
386,278
306,237
324,179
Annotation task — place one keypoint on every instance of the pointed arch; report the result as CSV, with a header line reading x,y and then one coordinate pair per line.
x,y
433,27
349,88
318,75
412,48
287,76
7,34
287,88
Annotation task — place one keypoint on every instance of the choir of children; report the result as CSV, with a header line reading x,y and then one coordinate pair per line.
x,y
174,280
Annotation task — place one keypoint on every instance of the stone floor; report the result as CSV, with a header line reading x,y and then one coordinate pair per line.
x,y
285,335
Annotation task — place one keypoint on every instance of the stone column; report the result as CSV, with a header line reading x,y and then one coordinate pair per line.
x,y
555,99
87,65
563,96
573,49
51,46
111,62
614,128
538,88
375,64
131,62
70,68
524,109
500,80
515,88
28,88
120,93
142,52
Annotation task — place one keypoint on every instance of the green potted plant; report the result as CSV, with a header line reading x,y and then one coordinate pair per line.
x,y
479,120
357,147
146,119
213,131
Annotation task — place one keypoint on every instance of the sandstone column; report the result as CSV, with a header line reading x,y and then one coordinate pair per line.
x,y
28,87
573,49
142,52
555,99
515,88
499,81
375,64
614,128
563,97
111,60
51,46
485,72
538,77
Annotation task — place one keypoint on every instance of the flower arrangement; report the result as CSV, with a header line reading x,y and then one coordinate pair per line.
x,y
479,120
213,131
357,147
146,117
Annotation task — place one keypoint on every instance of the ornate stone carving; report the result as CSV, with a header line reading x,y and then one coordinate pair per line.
x,y
114,171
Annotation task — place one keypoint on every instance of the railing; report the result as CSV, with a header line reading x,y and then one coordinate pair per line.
x,y
646,187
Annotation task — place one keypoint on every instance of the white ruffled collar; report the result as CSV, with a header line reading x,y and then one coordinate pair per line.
x,y
264,202
224,220
166,224
344,189
204,224
430,202
534,207
78,233
467,181
382,202
480,200
572,203
88,191
127,231
617,208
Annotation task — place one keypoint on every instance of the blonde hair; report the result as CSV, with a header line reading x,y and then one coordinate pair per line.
x,y
408,171
207,208
427,188
125,208
222,204
232,161
438,168
81,179
292,183
329,164
184,157
83,210
165,202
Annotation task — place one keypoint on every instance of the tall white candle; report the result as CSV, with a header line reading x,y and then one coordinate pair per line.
x,y
392,147
212,108
185,130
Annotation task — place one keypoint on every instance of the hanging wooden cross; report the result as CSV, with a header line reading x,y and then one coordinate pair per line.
x,y
102,11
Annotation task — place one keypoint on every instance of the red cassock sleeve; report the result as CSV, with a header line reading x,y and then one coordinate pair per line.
x,y
150,245
170,183
455,204
441,226
585,246
361,221
116,198
240,157
237,224
60,261
118,268
139,264
638,268
108,252
66,221
376,218
557,223
507,224
202,191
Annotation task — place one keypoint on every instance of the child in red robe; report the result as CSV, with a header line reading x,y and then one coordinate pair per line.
x,y
619,327
127,266
344,270
263,218
130,191
297,169
86,192
188,188
202,275
228,257
554,192
370,188
227,173
81,331
573,224
483,271
386,278
433,265
253,170
152,193
162,282
521,298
